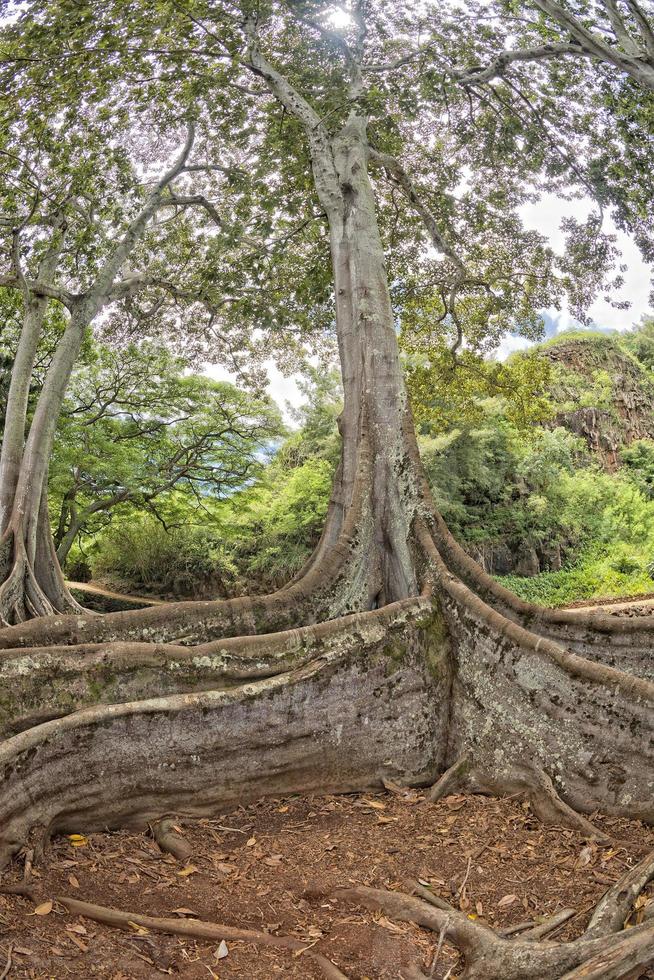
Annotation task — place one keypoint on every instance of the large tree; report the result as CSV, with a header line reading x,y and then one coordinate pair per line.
x,y
392,655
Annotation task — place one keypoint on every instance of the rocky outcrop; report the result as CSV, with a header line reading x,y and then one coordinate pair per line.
x,y
606,396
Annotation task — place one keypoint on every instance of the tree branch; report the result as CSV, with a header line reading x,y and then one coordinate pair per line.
x,y
40,288
644,26
619,28
395,169
105,278
326,177
190,200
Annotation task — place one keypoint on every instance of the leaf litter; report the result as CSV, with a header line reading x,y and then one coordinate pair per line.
x,y
492,858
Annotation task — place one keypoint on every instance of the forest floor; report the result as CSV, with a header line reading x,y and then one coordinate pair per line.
x,y
259,866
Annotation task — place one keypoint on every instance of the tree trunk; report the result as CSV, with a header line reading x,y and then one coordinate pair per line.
x,y
376,457
67,526
13,439
31,577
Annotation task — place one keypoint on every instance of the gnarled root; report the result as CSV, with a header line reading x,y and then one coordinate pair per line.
x,y
50,682
603,952
325,591
370,704
23,594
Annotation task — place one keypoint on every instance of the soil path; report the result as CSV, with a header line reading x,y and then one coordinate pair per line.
x,y
257,866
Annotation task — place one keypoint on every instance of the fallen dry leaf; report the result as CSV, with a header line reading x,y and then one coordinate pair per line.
x,y
190,869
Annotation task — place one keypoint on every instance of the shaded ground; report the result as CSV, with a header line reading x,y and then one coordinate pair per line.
x,y
251,868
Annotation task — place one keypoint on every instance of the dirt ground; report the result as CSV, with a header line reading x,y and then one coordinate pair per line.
x,y
253,867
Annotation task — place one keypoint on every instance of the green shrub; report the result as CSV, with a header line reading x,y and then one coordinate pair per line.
x,y
183,561
279,523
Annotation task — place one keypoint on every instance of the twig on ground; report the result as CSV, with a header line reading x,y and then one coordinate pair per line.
x,y
547,926
7,967
198,930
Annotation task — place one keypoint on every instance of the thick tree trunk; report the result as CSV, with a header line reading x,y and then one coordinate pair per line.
x,y
376,411
13,438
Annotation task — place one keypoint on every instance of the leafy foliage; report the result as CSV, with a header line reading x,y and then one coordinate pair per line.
x,y
185,561
139,432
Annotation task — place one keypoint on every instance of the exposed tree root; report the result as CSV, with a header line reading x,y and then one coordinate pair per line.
x,y
622,642
518,711
170,839
452,779
537,787
198,930
29,588
24,889
51,682
613,909
327,590
602,952
369,705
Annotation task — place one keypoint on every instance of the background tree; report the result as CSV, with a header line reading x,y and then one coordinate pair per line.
x,y
137,431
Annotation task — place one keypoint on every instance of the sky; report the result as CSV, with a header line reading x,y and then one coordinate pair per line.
x,y
544,216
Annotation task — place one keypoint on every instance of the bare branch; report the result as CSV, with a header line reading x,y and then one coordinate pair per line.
x,y
499,64
190,200
619,28
40,288
393,167
108,273
637,67
644,25
495,68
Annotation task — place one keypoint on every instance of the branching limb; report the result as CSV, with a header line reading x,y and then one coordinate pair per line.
x,y
643,24
619,29
326,176
192,200
39,288
639,66
395,169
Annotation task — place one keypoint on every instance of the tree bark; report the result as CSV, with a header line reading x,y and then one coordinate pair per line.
x,y
375,400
